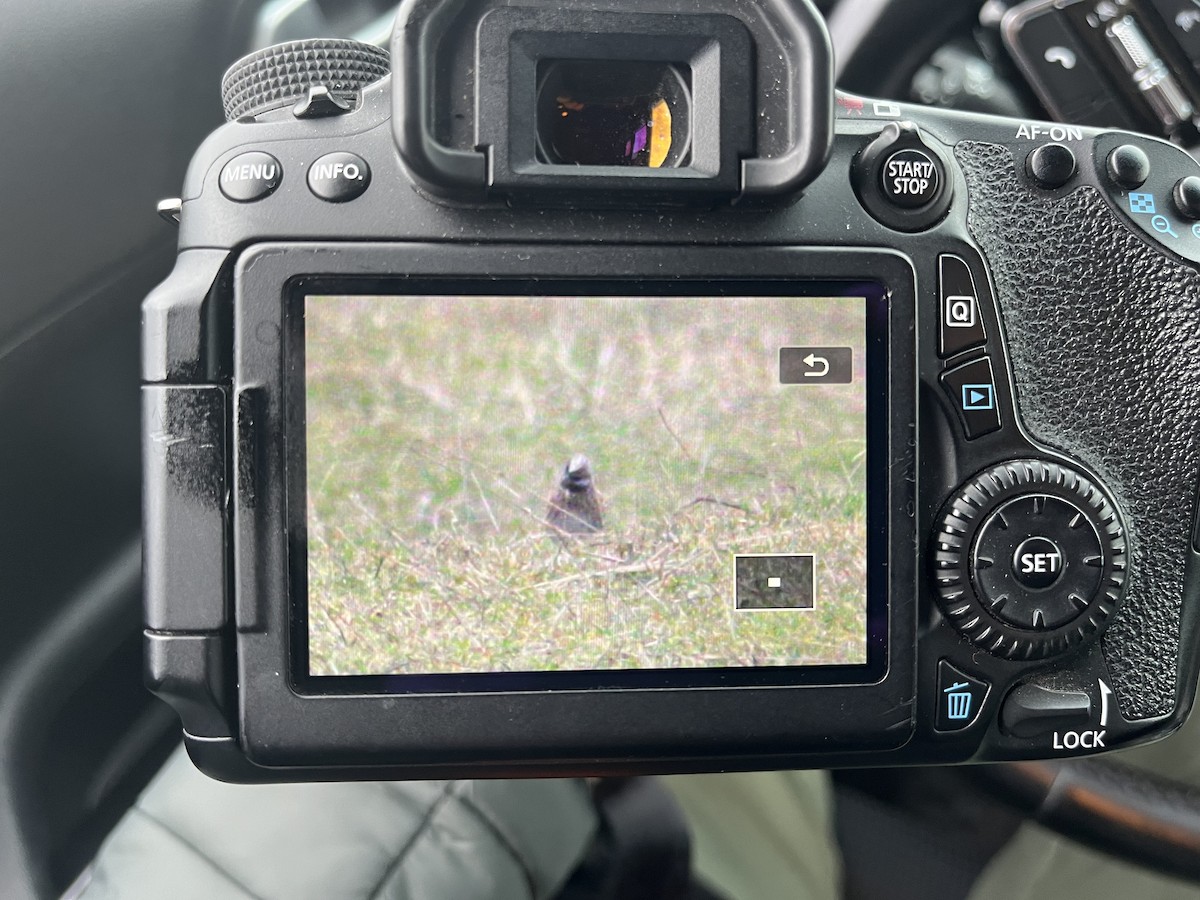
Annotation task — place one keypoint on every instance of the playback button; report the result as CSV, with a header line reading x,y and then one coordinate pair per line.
x,y
960,325
972,391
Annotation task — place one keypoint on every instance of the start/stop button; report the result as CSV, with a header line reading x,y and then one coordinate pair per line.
x,y
910,178
901,179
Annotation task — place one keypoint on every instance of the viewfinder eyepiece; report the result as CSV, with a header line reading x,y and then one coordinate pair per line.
x,y
614,113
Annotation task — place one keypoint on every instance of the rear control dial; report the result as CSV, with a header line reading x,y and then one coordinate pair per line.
x,y
1029,559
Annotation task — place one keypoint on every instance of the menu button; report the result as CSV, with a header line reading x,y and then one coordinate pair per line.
x,y
250,176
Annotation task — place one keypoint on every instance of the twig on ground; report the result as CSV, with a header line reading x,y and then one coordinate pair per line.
x,y
487,507
632,569
671,432
713,500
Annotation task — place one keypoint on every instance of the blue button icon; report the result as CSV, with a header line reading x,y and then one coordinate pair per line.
x,y
978,397
1163,226
1142,203
958,700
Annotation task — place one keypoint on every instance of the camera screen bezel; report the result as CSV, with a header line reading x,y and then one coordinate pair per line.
x,y
281,709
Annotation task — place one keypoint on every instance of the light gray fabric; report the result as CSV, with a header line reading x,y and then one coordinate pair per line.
x,y
756,836
762,835
191,837
1037,863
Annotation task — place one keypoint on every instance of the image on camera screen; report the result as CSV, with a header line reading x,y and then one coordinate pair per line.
x,y
530,484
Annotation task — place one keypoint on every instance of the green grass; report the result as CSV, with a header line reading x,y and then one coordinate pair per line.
x,y
437,429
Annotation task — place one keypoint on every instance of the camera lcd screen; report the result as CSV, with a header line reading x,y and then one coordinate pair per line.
x,y
571,484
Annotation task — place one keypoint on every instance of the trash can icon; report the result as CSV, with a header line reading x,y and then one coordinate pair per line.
x,y
958,700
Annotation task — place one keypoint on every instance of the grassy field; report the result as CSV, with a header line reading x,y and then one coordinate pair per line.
x,y
438,429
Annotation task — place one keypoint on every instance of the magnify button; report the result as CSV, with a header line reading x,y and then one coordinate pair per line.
x,y
1162,226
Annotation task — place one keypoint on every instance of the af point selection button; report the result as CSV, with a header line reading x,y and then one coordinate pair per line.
x,y
250,176
910,178
339,177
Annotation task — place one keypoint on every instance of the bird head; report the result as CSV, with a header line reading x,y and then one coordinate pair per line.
x,y
577,475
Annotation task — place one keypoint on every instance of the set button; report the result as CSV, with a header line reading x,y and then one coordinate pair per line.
x,y
1038,562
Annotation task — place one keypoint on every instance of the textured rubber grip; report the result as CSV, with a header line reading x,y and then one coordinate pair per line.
x,y
282,74
1103,333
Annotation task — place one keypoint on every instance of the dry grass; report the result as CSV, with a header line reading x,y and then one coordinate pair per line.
x,y
438,426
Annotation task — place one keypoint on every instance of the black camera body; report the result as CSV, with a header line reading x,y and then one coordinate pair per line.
x,y
879,423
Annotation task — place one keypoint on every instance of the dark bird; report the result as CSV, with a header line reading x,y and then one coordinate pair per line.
x,y
575,506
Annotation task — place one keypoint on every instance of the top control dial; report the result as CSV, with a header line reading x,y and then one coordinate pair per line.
x,y
1029,559
283,74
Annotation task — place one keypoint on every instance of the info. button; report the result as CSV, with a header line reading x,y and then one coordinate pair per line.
x,y
339,177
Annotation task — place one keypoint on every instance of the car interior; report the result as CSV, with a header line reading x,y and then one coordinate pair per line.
x,y
108,101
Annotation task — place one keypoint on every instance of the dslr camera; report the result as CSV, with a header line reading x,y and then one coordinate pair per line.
x,y
593,390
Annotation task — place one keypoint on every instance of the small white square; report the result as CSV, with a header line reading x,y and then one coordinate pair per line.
x,y
774,582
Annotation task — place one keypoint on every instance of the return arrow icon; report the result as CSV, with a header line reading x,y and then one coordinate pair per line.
x,y
813,361
816,365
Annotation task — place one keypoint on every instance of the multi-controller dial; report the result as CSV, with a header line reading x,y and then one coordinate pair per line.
x,y
1029,559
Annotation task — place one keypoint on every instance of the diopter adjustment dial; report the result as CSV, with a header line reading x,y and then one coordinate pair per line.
x,y
1029,559
283,74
